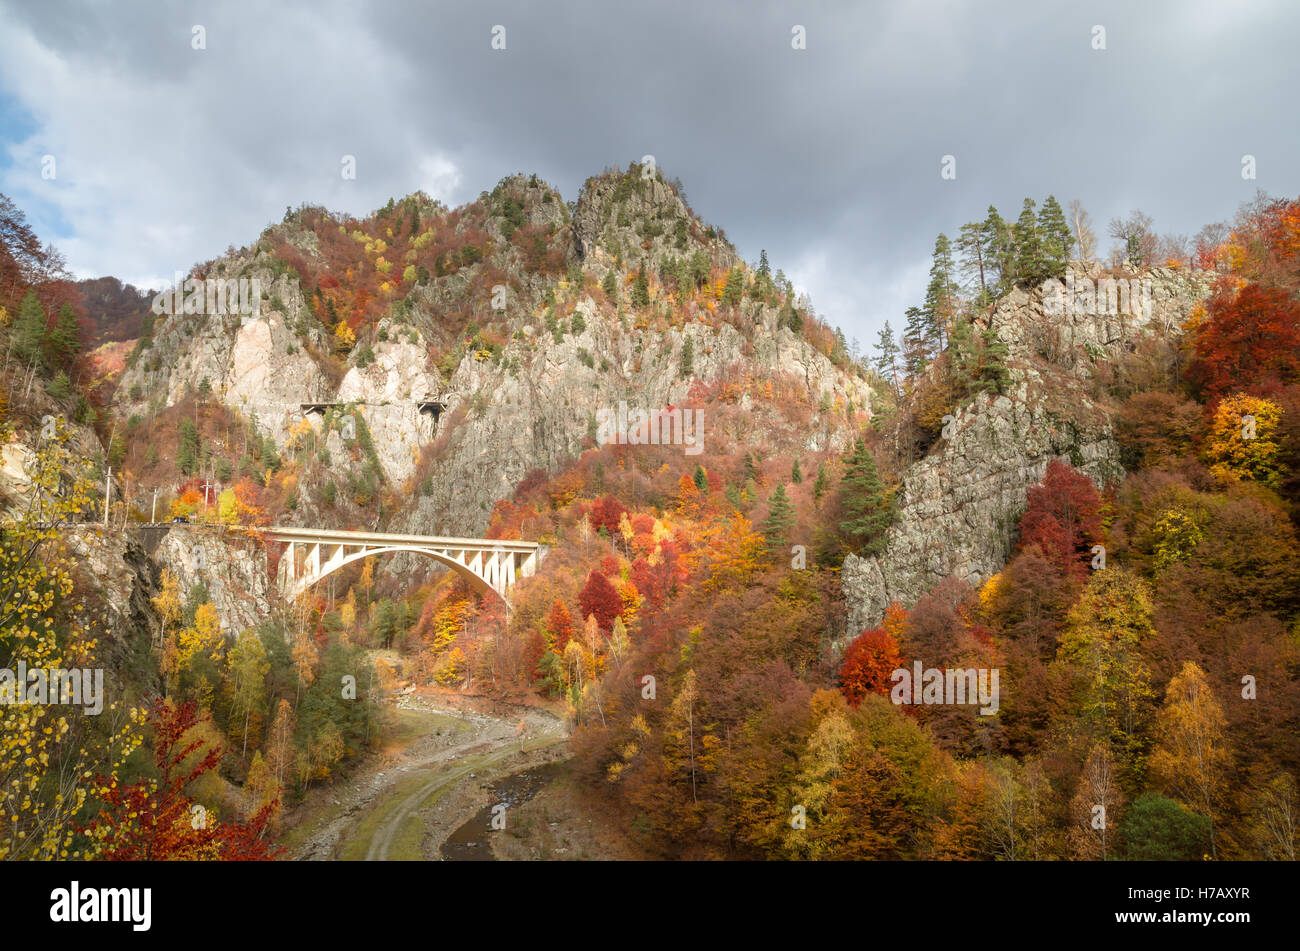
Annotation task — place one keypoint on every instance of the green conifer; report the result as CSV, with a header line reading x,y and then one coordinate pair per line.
x,y
868,511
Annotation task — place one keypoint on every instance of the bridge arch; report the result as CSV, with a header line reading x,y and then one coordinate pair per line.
x,y
491,565
478,582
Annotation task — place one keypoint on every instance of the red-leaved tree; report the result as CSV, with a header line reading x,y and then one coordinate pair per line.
x,y
1063,518
153,820
560,624
868,662
1250,338
598,597
605,513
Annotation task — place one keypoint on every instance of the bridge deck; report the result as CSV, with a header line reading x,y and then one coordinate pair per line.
x,y
291,534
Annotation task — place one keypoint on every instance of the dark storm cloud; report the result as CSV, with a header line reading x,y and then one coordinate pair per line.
x,y
827,157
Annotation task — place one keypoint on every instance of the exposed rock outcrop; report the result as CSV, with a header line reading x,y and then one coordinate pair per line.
x,y
123,578
231,567
958,508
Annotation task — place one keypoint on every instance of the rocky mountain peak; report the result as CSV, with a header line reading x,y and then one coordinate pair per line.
x,y
625,217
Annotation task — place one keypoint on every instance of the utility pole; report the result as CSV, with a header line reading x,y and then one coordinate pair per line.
x,y
108,493
153,512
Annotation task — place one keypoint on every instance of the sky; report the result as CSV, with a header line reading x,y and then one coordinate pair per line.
x,y
139,154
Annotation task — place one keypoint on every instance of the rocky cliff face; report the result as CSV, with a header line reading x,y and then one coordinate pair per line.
x,y
531,402
258,365
651,221
114,566
960,505
231,567
540,414
124,570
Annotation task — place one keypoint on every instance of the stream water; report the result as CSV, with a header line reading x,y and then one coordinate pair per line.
x,y
472,842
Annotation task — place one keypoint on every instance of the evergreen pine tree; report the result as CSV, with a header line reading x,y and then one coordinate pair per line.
x,y
796,474
688,358
29,330
700,268
999,251
917,347
868,511
993,373
734,289
63,342
819,485
610,285
60,387
701,479
270,457
840,348
940,293
1057,239
963,356
972,245
780,517
886,362
187,451
1031,266
682,279
641,289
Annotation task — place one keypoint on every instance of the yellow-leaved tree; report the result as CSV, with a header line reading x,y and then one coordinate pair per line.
x,y
246,670
1191,757
344,338
1243,441
1100,657
821,832
51,750
199,648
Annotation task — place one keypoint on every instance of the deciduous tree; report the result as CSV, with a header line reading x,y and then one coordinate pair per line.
x,y
600,599
1191,757
868,662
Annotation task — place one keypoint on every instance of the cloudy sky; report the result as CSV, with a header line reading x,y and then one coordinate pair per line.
x,y
829,157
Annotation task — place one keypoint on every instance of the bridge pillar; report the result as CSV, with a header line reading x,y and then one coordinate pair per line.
x,y
288,567
335,559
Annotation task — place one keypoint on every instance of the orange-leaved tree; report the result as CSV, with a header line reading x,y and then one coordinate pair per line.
x,y
868,663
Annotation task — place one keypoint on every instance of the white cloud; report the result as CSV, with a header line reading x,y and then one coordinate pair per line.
x,y
856,298
440,178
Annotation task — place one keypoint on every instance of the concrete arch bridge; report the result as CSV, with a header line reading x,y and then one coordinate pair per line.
x,y
491,564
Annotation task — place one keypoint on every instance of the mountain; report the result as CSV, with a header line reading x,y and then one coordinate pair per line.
x,y
117,312
521,314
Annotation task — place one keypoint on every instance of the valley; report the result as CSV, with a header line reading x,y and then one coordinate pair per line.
x,y
536,529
